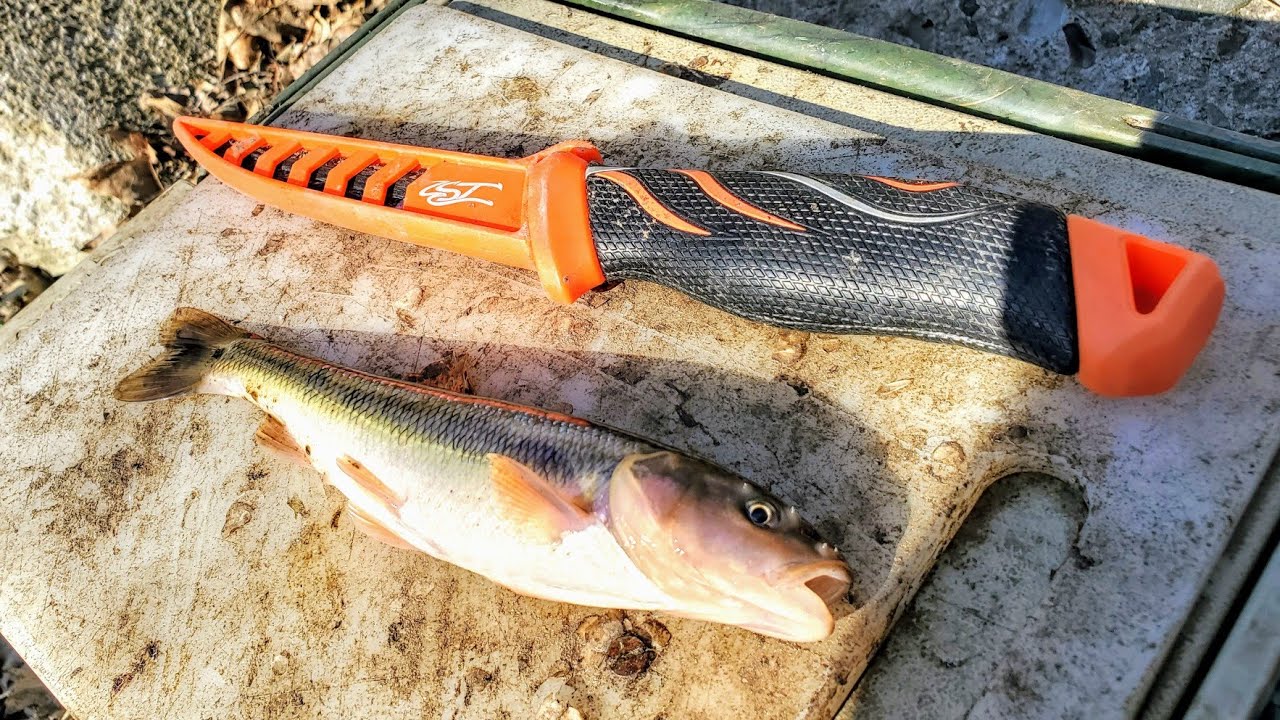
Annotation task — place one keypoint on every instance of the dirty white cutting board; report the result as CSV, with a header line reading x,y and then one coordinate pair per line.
x,y
156,563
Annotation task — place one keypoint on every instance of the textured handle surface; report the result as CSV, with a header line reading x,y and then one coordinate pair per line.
x,y
848,254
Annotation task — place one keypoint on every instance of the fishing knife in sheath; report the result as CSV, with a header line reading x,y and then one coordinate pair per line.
x,y
845,254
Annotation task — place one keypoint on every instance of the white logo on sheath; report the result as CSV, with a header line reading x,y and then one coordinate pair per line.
x,y
452,192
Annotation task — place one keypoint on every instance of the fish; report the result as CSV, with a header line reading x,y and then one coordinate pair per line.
x,y
546,504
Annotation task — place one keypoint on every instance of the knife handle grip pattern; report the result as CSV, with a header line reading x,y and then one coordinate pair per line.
x,y
939,261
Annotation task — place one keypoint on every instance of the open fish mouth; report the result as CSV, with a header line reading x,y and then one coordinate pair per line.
x,y
807,592
828,579
831,585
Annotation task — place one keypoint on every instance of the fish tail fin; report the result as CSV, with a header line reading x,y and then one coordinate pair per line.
x,y
193,339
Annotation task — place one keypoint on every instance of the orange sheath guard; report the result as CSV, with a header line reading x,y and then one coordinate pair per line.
x,y
529,213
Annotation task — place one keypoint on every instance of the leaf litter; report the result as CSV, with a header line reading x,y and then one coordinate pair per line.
x,y
262,46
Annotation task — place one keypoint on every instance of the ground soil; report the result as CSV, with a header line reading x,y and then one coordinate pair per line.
x,y
73,71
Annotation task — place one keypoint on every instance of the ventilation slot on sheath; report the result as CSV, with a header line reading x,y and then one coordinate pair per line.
x,y
355,187
251,160
282,170
322,173
396,193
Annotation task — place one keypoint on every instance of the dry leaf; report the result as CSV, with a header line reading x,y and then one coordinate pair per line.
x,y
134,181
19,285
163,105
225,39
135,143
252,104
242,54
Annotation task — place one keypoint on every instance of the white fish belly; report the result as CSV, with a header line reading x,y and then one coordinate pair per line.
x,y
447,510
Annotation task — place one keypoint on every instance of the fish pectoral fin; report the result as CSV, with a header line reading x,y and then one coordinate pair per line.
x,y
531,503
375,530
274,436
369,482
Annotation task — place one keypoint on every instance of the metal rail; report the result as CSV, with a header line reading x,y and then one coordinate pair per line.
x,y
1023,102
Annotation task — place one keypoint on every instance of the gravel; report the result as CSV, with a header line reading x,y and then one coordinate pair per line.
x,y
73,70
22,696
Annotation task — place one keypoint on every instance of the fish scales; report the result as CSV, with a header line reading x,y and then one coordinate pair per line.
x,y
560,450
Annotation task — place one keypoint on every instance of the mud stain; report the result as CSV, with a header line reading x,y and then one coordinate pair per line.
x,y
92,496
147,654
318,579
274,242
523,87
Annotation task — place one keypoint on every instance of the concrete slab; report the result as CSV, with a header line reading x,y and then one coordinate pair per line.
x,y
888,441
971,611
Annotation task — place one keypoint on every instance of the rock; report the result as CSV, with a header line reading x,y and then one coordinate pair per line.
x,y
21,692
73,70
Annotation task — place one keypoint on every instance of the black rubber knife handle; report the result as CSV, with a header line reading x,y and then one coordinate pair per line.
x,y
848,254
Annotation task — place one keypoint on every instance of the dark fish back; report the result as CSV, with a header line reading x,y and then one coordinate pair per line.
x,y
564,449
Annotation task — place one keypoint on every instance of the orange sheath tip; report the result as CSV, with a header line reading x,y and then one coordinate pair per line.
x,y
241,148
215,140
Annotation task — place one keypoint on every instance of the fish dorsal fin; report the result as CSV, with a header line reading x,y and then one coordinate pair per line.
x,y
274,436
375,530
369,482
531,503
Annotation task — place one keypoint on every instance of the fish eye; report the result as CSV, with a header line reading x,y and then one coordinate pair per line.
x,y
762,513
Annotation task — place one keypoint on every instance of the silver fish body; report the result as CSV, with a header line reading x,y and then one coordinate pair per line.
x,y
545,504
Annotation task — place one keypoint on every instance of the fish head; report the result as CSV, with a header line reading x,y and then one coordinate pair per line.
x,y
724,549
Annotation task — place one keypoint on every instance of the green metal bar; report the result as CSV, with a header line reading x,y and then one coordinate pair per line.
x,y
1023,102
